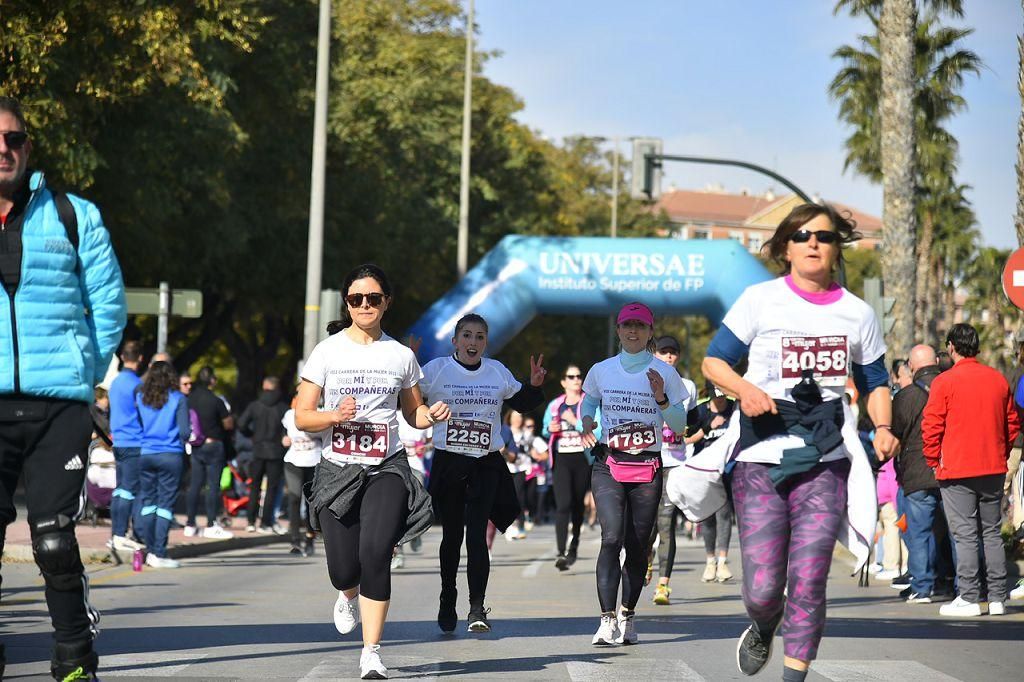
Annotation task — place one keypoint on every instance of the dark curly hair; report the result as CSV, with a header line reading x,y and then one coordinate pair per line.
x,y
157,384
845,225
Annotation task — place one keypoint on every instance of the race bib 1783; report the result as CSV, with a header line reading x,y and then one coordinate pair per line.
x,y
632,437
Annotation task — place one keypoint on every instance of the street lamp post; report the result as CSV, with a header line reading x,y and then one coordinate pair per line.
x,y
614,231
467,100
314,253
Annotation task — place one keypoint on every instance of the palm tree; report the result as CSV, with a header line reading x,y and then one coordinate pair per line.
x,y
1019,221
916,169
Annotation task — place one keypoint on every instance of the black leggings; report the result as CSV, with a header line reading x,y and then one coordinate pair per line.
x,y
668,522
463,496
628,512
360,544
571,482
295,479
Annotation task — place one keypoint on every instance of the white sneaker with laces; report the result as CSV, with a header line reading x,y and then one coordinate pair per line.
x,y
888,574
710,569
608,633
960,608
191,531
370,665
217,533
121,543
278,529
161,562
346,614
996,608
1018,592
627,629
250,528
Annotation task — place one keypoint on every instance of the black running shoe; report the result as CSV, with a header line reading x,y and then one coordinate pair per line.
x,y
310,548
900,583
74,661
570,557
478,618
562,562
753,652
295,550
447,619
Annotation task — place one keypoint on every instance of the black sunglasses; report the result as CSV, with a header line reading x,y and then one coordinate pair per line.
x,y
824,236
356,300
15,139
573,376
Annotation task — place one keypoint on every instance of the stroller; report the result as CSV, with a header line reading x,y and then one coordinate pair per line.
x,y
100,481
234,487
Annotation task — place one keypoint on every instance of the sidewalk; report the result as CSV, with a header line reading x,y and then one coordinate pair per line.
x,y
92,541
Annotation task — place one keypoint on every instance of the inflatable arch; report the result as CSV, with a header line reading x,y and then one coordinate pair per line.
x,y
525,276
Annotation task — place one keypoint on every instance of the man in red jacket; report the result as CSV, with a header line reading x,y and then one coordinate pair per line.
x,y
967,429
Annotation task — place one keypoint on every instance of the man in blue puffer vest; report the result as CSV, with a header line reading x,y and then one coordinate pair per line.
x,y
62,312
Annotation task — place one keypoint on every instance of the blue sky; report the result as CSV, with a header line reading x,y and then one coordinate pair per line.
x,y
743,79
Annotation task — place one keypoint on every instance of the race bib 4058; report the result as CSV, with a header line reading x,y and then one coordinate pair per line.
x,y
826,356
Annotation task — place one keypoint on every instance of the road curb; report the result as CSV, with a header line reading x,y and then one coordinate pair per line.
x,y
92,555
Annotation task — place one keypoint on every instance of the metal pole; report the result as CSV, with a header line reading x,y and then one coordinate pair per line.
x,y
467,100
161,320
614,231
314,253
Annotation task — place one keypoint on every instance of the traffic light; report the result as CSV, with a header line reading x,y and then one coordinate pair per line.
x,y
646,173
882,305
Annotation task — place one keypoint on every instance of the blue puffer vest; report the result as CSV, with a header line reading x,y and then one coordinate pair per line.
x,y
64,323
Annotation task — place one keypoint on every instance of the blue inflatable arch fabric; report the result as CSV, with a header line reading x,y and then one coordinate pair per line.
x,y
522,277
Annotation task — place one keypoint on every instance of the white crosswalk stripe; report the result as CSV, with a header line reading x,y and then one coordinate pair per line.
x,y
158,664
532,569
639,669
883,671
346,666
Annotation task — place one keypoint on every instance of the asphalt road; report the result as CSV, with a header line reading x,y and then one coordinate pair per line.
x,y
263,614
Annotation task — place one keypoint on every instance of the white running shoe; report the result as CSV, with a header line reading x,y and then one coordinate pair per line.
x,y
608,633
996,608
278,529
512,533
627,629
161,562
123,544
370,665
397,562
217,533
960,608
346,614
710,569
191,531
1018,592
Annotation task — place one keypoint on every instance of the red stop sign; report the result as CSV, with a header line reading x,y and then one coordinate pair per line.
x,y
1013,278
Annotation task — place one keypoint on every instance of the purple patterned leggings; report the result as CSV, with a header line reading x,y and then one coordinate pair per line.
x,y
787,534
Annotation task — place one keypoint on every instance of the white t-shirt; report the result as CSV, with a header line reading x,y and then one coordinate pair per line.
x,y
373,374
305,448
411,438
475,398
677,452
630,419
786,334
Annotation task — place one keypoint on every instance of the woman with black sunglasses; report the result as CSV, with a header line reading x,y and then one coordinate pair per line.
x,y
469,480
796,441
364,497
570,464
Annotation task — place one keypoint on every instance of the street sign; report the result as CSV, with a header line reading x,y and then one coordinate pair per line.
x,y
184,302
1013,278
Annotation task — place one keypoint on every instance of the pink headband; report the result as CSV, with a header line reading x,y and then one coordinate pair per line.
x,y
636,311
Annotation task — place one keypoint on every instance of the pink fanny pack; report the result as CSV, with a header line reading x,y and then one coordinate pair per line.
x,y
626,471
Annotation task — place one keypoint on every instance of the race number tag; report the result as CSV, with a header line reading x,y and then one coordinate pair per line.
x,y
360,442
569,439
826,356
632,437
468,437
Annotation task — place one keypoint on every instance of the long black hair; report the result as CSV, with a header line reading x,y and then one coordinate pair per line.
x,y
157,384
360,272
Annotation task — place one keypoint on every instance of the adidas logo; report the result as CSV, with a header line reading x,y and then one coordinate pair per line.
x,y
74,464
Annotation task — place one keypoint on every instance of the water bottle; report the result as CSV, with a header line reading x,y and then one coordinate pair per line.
x,y
137,560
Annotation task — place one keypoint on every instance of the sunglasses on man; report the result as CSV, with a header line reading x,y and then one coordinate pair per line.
x,y
823,236
375,300
15,139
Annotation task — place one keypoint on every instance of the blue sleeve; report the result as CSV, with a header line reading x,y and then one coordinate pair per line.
x,y
870,376
1018,395
675,416
181,417
597,423
726,346
546,423
589,408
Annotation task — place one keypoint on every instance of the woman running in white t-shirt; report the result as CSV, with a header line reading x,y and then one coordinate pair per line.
x,y
365,497
637,393
803,334
469,481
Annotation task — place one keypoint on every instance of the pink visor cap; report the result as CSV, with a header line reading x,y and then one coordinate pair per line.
x,y
636,311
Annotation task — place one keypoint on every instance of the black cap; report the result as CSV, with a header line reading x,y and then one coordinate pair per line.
x,y
667,343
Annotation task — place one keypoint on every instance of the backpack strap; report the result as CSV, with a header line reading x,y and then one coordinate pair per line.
x,y
69,219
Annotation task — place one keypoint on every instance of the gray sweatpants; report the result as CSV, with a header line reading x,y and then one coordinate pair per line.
x,y
970,503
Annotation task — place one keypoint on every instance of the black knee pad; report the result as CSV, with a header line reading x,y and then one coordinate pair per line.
x,y
70,656
56,554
